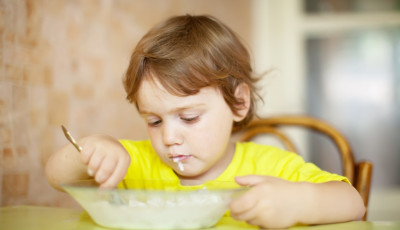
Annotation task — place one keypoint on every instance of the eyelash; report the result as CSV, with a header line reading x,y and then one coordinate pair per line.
x,y
188,120
155,123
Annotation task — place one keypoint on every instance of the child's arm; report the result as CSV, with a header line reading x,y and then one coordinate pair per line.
x,y
277,203
102,157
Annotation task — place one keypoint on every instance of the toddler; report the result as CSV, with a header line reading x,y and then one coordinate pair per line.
x,y
191,80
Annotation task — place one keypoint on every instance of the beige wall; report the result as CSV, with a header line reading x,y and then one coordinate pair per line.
x,y
61,62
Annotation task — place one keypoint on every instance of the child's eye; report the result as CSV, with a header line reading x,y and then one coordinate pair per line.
x,y
154,123
190,119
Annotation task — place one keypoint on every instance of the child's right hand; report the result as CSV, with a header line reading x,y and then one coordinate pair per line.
x,y
106,159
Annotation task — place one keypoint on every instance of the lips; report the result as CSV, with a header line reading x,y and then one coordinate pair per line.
x,y
179,157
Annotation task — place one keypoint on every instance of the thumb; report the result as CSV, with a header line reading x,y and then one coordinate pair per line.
x,y
250,180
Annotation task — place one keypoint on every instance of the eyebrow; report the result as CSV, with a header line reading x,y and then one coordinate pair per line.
x,y
175,109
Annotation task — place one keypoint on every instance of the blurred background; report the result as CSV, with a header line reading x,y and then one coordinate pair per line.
x,y
62,62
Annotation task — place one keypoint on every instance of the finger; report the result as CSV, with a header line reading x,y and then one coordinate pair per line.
x,y
94,163
106,169
254,221
250,180
87,152
244,203
118,174
249,214
255,214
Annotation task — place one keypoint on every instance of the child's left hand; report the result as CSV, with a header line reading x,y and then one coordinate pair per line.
x,y
270,203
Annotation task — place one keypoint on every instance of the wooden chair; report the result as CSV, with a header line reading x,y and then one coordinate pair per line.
x,y
359,173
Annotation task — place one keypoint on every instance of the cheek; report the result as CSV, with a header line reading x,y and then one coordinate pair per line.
x,y
154,136
211,137
220,135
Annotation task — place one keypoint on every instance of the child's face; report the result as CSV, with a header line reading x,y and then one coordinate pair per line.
x,y
195,129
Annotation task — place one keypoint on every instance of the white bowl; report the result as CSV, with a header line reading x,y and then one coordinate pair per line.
x,y
149,204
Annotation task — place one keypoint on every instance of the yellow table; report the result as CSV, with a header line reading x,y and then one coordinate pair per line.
x,y
43,218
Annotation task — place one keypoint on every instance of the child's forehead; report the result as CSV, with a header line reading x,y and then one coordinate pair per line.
x,y
152,95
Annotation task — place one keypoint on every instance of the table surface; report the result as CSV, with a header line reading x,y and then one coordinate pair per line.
x,y
36,217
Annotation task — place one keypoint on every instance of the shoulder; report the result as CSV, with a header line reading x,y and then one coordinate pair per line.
x,y
268,155
131,145
254,158
284,164
255,149
142,148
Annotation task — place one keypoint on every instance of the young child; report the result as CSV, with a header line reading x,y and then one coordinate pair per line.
x,y
191,80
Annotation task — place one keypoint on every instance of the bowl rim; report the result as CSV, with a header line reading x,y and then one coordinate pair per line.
x,y
91,184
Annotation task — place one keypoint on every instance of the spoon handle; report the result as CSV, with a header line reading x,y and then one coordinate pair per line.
x,y
71,139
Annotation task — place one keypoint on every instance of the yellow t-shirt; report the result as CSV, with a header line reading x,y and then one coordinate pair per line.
x,y
249,158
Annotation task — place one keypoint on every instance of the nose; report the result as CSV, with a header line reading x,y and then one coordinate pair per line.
x,y
171,135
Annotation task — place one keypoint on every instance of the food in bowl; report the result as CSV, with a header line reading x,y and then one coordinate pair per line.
x,y
149,204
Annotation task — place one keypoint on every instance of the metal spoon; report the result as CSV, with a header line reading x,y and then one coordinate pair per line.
x,y
71,139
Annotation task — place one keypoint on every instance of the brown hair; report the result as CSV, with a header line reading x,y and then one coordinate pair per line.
x,y
187,53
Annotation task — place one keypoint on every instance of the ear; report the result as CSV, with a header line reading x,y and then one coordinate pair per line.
x,y
242,93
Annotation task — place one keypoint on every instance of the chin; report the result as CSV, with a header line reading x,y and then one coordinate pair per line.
x,y
195,176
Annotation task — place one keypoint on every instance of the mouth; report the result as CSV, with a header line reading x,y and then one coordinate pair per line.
x,y
179,157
